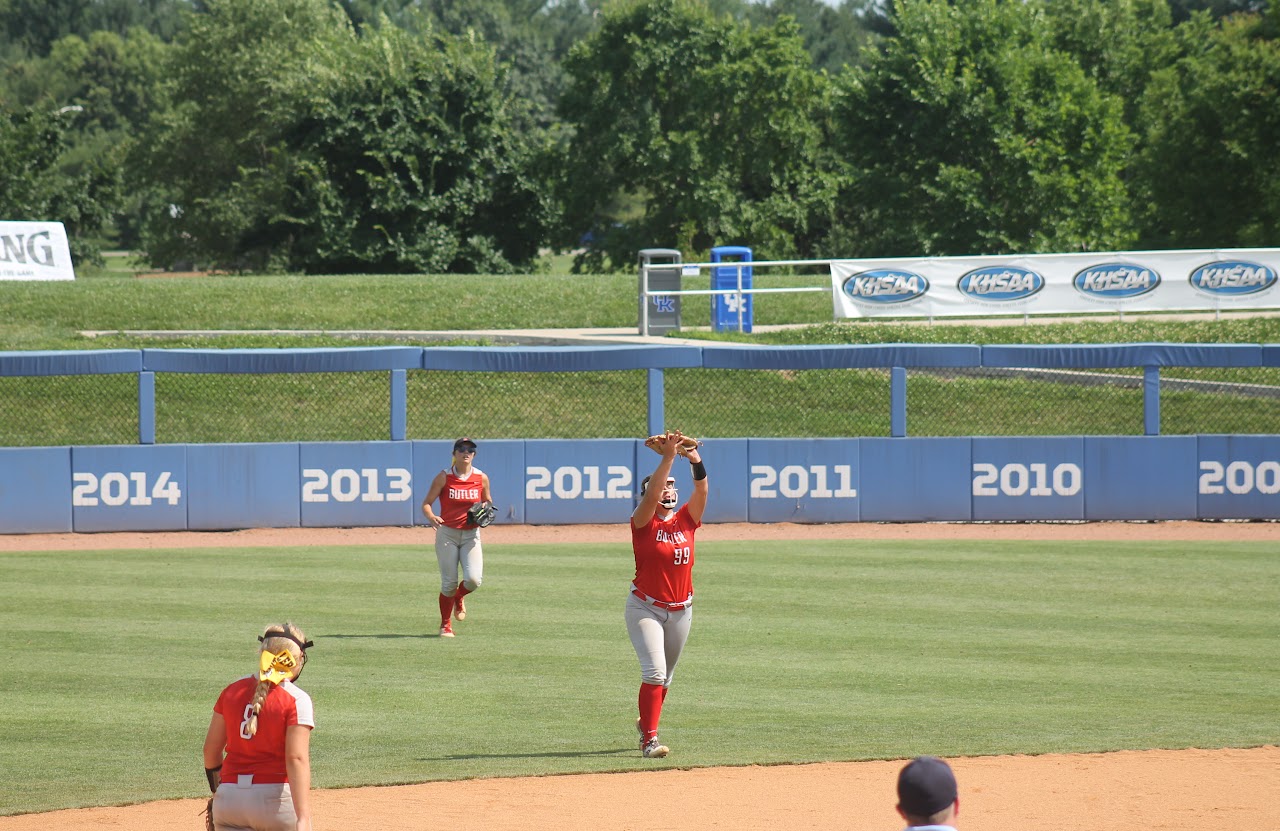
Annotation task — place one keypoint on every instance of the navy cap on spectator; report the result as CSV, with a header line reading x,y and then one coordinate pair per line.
x,y
926,786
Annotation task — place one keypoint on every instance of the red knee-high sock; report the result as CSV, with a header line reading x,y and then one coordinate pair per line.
x,y
462,592
446,608
664,694
650,709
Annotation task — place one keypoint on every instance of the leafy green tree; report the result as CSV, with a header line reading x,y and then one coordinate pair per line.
x,y
516,31
566,22
296,144
1208,174
374,12
529,37
106,86
1118,43
115,78
971,134
216,164
835,35
36,186
692,130
408,162
35,25
1184,9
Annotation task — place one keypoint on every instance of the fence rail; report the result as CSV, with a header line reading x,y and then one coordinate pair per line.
x,y
162,396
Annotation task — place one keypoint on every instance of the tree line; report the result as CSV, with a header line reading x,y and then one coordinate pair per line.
x,y
468,136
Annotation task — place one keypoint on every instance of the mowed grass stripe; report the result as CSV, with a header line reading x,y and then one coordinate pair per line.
x,y
110,661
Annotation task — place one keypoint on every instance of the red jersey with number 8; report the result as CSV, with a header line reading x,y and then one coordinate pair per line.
x,y
664,556
263,753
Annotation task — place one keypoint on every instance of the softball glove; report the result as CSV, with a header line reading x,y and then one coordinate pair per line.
x,y
481,514
687,443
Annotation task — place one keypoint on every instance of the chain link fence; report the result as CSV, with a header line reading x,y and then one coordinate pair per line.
x,y
354,406
527,405
206,408
54,411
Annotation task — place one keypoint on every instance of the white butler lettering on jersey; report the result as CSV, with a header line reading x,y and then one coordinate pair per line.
x,y
663,536
464,493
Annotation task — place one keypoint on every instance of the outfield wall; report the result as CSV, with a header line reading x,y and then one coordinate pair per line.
x,y
550,482
150,487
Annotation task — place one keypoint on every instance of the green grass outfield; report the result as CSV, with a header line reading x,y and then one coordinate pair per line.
x,y
834,650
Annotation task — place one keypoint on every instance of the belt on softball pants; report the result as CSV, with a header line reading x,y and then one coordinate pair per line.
x,y
244,780
670,607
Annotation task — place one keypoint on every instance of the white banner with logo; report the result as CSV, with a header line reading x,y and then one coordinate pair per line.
x,y
1129,281
34,251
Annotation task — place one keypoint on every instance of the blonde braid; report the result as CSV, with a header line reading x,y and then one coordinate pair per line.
x,y
259,698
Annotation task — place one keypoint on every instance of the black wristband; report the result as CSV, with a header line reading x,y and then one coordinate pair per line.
x,y
699,472
214,779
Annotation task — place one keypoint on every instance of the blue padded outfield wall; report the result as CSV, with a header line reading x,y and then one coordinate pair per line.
x,y
153,487
557,482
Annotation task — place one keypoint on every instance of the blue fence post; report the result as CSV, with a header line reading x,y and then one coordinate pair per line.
x,y
898,401
657,402
399,403
146,407
1151,400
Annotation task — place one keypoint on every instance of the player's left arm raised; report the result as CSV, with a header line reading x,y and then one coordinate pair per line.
x,y
698,502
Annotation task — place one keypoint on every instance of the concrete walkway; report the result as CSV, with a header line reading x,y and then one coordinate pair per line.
x,y
535,337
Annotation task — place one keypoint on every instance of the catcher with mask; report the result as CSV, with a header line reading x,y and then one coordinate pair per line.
x,y
659,607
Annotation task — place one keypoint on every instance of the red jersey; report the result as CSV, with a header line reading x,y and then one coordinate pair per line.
x,y
458,495
263,754
664,556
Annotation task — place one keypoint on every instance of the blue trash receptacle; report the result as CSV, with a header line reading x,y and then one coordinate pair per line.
x,y
730,312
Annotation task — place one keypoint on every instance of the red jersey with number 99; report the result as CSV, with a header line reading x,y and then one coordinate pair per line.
x,y
262,754
664,556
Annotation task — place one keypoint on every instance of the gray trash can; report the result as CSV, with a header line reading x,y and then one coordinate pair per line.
x,y
660,268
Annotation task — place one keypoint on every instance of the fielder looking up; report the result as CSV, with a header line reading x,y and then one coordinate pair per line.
x,y
660,603
458,487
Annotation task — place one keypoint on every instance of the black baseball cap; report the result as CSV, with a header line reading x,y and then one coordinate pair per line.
x,y
925,786
463,442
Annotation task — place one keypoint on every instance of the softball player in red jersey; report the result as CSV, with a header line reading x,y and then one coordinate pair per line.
x,y
660,603
257,752
457,543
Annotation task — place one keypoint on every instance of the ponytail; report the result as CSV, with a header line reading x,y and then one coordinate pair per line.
x,y
259,698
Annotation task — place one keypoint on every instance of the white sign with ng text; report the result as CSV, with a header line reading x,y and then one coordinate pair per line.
x,y
34,251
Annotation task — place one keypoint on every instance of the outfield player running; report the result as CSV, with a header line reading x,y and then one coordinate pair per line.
x,y
458,487
660,603
257,751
